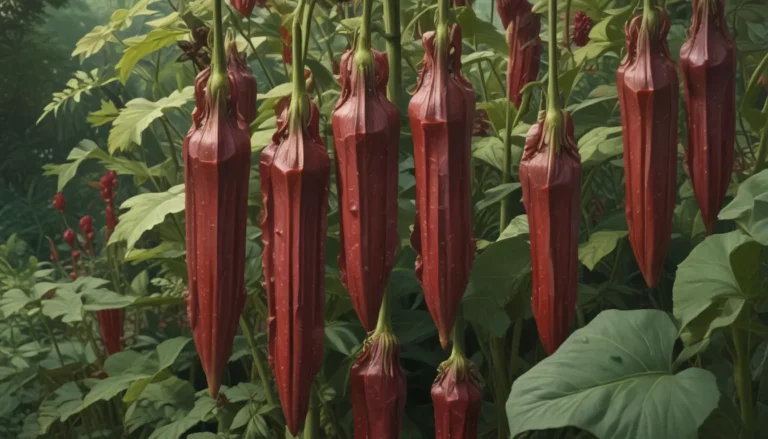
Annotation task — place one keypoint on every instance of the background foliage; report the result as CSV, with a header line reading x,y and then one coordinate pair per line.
x,y
89,86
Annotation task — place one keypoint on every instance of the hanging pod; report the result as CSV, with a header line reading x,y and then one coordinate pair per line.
x,y
522,33
366,132
441,114
708,66
648,96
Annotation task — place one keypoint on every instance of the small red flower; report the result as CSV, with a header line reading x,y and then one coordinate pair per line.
x,y
59,203
582,25
69,237
54,252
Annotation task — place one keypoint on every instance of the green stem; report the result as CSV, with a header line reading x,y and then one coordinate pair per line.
x,y
312,424
566,28
258,362
298,110
743,379
649,15
384,323
762,148
218,84
365,27
553,93
392,28
517,334
458,336
500,383
307,33
253,48
506,174
53,339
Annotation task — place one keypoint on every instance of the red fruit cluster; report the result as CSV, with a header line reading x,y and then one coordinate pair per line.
x,y
108,183
59,202
70,238
582,25
245,7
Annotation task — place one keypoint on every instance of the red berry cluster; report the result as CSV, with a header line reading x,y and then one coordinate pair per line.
x,y
108,184
86,226
59,202
582,26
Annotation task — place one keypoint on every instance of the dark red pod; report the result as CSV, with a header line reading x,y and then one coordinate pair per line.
x,y
237,67
111,327
708,66
295,179
550,174
582,26
522,30
217,157
366,132
441,115
457,398
378,389
648,96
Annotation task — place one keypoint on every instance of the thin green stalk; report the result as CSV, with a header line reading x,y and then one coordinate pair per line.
x,y
312,425
298,111
506,175
743,379
53,339
458,336
171,146
517,334
649,15
247,38
307,23
762,148
218,84
392,28
501,385
384,322
258,362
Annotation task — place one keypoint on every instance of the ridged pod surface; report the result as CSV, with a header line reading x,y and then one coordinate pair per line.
x,y
457,398
366,132
111,327
237,66
648,96
441,114
217,158
378,389
551,182
245,7
295,174
708,66
522,30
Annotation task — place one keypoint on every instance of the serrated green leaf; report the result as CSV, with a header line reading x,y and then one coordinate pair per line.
x,y
152,42
105,115
145,211
138,114
13,301
64,304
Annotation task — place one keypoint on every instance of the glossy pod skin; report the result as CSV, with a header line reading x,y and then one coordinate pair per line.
x,y
378,389
457,398
366,132
551,181
648,96
245,7
441,114
217,157
295,174
522,33
708,66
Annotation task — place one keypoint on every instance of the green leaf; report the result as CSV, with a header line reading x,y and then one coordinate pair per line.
x,y
342,338
59,405
497,111
108,388
279,91
13,301
107,114
750,207
174,430
600,245
614,379
480,31
145,211
138,114
492,283
67,171
64,304
100,299
496,194
169,350
517,227
714,283
599,145
150,43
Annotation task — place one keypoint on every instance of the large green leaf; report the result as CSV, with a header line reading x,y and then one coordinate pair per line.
x,y
599,245
150,43
614,378
138,114
145,212
750,207
12,301
715,282
65,304
68,170
600,145
481,31
492,283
